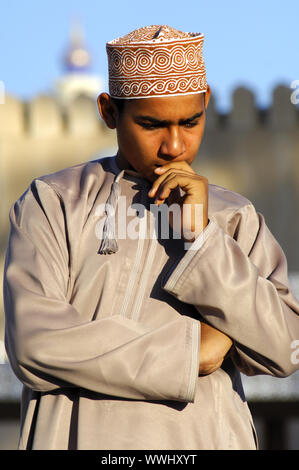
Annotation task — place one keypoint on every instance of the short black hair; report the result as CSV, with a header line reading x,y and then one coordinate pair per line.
x,y
120,103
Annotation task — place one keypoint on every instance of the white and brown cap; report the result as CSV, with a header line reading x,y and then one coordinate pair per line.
x,y
156,61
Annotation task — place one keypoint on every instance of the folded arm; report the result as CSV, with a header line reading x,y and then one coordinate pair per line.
x,y
51,345
239,284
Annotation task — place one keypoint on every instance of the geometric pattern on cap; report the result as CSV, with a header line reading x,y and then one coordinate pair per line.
x,y
156,61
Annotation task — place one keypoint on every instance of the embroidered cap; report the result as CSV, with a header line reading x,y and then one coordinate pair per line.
x,y
156,61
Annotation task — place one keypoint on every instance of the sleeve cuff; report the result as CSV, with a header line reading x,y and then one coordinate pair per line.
x,y
194,334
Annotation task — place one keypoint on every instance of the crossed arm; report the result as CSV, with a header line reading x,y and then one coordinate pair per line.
x,y
51,346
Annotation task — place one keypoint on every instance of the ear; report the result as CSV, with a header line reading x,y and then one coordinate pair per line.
x,y
107,110
207,96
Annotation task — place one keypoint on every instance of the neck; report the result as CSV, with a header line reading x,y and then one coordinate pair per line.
x,y
122,163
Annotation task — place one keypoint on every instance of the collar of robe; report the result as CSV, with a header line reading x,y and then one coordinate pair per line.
x,y
109,243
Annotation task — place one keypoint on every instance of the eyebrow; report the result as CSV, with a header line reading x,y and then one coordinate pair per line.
x,y
166,122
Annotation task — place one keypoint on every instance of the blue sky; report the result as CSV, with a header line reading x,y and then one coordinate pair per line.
x,y
246,43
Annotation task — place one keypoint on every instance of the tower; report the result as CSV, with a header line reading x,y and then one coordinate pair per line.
x,y
77,63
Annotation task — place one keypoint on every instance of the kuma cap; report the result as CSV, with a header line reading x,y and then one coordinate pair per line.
x,y
156,61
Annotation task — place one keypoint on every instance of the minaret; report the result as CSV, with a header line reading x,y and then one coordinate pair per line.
x,y
78,58
77,78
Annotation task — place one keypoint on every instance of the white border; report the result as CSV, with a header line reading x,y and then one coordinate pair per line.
x,y
156,96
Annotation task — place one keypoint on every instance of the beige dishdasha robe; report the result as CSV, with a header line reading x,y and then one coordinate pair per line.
x,y
107,346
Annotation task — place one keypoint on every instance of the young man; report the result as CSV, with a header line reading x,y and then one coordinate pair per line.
x,y
124,337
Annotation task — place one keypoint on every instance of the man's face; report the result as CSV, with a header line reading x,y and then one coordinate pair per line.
x,y
155,131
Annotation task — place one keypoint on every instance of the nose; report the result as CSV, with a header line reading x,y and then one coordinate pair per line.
x,y
172,145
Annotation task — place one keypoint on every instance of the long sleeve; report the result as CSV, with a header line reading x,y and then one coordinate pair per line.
x,y
239,284
50,344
